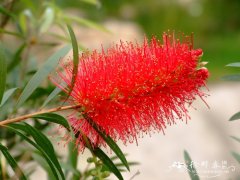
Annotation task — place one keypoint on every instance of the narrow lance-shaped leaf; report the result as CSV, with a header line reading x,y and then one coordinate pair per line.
x,y
2,173
75,58
30,4
191,169
108,162
55,118
10,33
84,22
236,64
14,127
41,74
7,95
53,94
6,12
46,19
116,157
236,156
73,159
39,159
93,2
129,163
109,141
120,165
65,39
233,77
235,138
46,145
73,154
16,58
68,168
12,163
22,23
3,72
235,117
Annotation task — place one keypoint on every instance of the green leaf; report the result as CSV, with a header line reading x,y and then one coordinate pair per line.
x,y
93,2
29,4
236,156
12,163
191,169
119,165
46,145
26,19
41,74
235,138
22,22
50,44
39,158
130,164
84,22
115,148
47,19
233,77
72,159
14,127
68,167
73,154
108,162
55,118
6,12
110,142
116,157
65,39
235,117
3,73
7,95
236,64
16,58
75,58
31,19
53,94
10,32
43,142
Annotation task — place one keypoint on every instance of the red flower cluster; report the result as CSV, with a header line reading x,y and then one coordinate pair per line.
x,y
132,89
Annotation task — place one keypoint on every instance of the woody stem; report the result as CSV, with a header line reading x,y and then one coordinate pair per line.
x,y
26,116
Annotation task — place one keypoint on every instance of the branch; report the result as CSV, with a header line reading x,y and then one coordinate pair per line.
x,y
22,118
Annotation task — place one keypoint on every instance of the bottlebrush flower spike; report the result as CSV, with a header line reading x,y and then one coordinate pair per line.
x,y
129,90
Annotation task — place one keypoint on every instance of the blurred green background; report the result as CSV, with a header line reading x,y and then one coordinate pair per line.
x,y
215,23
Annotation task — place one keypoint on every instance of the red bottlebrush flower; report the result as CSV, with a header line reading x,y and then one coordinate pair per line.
x,y
128,89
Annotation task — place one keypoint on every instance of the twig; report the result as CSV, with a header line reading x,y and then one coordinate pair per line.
x,y
21,118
